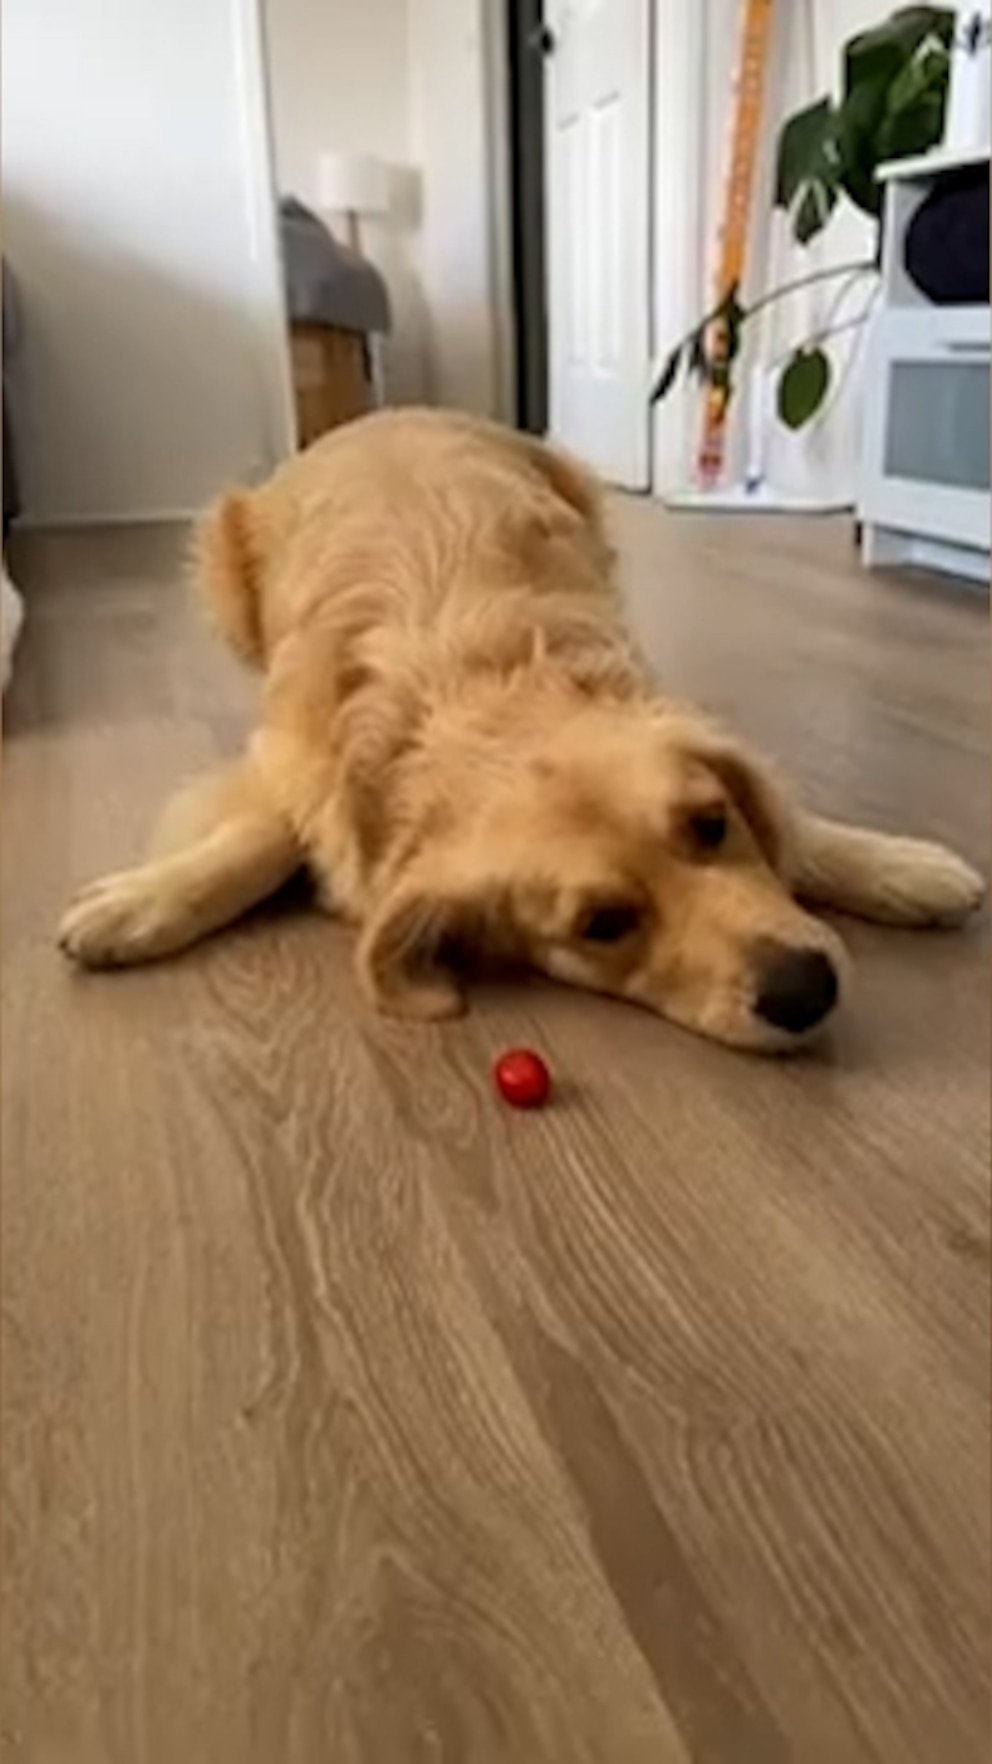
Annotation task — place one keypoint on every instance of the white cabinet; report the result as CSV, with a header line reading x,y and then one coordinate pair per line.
x,y
925,464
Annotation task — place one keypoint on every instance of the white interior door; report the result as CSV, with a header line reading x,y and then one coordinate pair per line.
x,y
597,74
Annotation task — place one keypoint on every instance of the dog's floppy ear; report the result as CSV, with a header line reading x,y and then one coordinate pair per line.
x,y
755,791
405,947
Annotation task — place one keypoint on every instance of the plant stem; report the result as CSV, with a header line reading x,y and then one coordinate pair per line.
x,y
840,295
860,267
847,366
822,275
851,324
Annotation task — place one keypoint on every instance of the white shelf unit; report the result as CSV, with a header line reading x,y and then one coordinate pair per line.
x,y
925,462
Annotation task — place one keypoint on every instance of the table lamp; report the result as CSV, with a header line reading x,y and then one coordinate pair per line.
x,y
353,184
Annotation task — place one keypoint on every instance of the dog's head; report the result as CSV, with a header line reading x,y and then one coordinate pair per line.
x,y
634,851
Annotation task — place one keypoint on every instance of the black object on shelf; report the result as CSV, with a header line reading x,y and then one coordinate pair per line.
x,y
947,240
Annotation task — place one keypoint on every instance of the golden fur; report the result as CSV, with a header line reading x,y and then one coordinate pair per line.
x,y
461,743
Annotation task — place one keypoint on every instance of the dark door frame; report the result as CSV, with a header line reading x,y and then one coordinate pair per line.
x,y
526,48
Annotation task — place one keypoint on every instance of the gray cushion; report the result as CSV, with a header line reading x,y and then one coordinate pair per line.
x,y
326,284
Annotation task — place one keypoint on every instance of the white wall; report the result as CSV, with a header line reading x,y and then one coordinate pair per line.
x,y
459,134
137,214
339,76
820,461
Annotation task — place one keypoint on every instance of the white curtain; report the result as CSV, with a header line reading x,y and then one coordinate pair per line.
x,y
820,461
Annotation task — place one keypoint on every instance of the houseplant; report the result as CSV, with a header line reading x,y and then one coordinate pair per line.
x,y
891,105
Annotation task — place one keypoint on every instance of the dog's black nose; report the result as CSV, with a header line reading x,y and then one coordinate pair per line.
x,y
797,988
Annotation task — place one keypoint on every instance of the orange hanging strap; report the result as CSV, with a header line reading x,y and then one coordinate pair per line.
x,y
755,49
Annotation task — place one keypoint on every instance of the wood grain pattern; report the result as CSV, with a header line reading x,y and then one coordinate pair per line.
x,y
347,1416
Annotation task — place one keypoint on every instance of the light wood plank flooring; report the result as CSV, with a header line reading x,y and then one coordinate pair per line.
x,y
350,1419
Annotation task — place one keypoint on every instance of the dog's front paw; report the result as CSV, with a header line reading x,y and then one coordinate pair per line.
x,y
933,886
117,921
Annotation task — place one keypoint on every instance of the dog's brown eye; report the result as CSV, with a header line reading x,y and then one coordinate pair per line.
x,y
708,829
610,924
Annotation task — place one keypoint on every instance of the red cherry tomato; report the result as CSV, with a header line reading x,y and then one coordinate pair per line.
x,y
522,1078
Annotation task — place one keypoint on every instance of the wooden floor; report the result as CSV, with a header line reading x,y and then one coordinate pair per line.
x,y
350,1419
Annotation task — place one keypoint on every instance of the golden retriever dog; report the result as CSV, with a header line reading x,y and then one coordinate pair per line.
x,y
460,742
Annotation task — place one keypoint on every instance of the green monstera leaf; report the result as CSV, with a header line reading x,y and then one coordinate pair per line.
x,y
803,387
891,106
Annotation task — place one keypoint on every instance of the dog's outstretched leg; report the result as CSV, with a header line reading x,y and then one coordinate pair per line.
x,y
221,848
876,876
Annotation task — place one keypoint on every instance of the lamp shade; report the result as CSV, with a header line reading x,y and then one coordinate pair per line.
x,y
355,183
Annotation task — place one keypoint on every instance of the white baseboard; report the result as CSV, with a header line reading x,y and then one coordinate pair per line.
x,y
890,548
